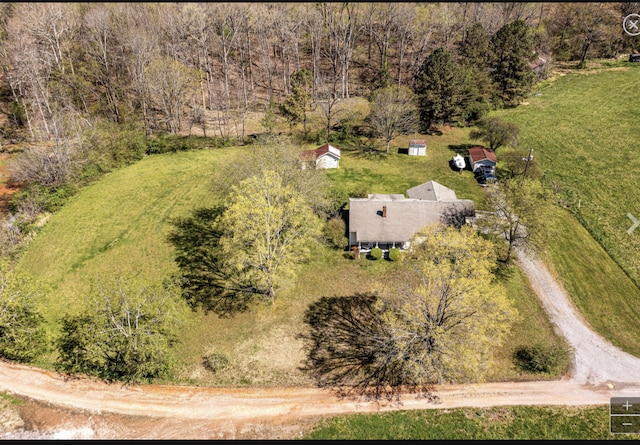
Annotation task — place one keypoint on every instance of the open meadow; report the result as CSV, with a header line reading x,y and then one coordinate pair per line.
x,y
583,129
119,226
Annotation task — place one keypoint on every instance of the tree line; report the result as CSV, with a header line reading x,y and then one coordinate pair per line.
x,y
172,66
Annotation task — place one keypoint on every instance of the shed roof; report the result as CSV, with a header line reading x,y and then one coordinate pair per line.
x,y
323,150
477,154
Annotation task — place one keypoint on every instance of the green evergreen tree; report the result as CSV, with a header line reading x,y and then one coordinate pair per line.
x,y
294,107
514,49
438,87
475,48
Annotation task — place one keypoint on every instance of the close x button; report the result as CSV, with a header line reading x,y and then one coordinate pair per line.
x,y
624,415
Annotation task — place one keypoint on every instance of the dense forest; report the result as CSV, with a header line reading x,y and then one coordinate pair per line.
x,y
85,87
166,66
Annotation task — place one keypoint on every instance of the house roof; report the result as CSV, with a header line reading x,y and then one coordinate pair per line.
x,y
323,150
432,191
477,154
404,216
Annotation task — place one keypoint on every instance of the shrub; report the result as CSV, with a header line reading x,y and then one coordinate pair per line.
x,y
23,336
215,361
394,254
542,359
376,253
334,231
167,143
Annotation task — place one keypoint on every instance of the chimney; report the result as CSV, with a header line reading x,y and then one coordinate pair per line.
x,y
384,211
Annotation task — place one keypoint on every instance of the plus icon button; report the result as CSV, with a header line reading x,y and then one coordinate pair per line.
x,y
627,405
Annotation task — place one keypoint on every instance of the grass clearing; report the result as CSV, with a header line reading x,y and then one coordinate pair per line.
x,y
498,423
119,226
601,291
583,129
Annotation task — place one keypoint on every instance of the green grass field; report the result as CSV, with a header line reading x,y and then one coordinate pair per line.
x,y
499,423
119,226
583,128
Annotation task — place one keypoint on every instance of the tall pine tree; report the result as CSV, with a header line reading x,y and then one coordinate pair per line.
x,y
438,88
514,49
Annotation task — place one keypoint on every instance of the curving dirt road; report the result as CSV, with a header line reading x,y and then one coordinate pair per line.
x,y
105,411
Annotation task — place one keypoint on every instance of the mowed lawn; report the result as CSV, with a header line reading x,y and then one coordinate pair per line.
x,y
498,423
583,129
120,224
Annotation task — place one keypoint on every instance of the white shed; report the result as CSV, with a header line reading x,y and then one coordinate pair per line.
x,y
417,147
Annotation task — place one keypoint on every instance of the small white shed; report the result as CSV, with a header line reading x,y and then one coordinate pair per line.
x,y
417,147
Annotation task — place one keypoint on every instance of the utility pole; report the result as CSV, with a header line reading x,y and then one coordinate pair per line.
x,y
528,158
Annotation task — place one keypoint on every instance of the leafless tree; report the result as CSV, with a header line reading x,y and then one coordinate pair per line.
x,y
393,112
171,85
340,21
328,99
142,47
103,47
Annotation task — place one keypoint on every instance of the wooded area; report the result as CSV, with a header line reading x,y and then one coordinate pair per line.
x,y
170,67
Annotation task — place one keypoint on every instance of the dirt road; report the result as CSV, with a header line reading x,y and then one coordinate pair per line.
x,y
92,409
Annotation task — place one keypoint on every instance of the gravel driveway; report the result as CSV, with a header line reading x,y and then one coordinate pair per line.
x,y
595,360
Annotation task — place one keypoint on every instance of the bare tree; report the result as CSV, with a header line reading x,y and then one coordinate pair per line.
x,y
171,85
103,45
328,99
393,112
340,21
142,43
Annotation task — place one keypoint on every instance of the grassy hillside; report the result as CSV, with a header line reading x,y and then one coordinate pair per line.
x,y
583,128
119,225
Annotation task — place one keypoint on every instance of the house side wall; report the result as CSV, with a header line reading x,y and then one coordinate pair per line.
x,y
327,162
485,162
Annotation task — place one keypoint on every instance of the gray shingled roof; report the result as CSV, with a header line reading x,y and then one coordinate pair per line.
x,y
432,191
404,216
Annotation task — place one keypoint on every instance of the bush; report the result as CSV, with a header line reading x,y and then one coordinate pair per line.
x,y
542,359
376,253
334,231
23,336
394,254
215,361
168,144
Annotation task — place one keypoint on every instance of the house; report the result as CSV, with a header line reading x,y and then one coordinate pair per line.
x,y
483,160
540,65
326,156
387,221
417,147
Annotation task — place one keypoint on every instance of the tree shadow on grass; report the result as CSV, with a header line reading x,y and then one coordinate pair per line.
x,y
349,349
367,149
203,277
461,149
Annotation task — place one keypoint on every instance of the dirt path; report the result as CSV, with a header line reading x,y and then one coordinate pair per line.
x,y
92,409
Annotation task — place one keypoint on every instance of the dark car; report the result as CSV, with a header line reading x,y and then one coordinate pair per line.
x,y
634,58
484,177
